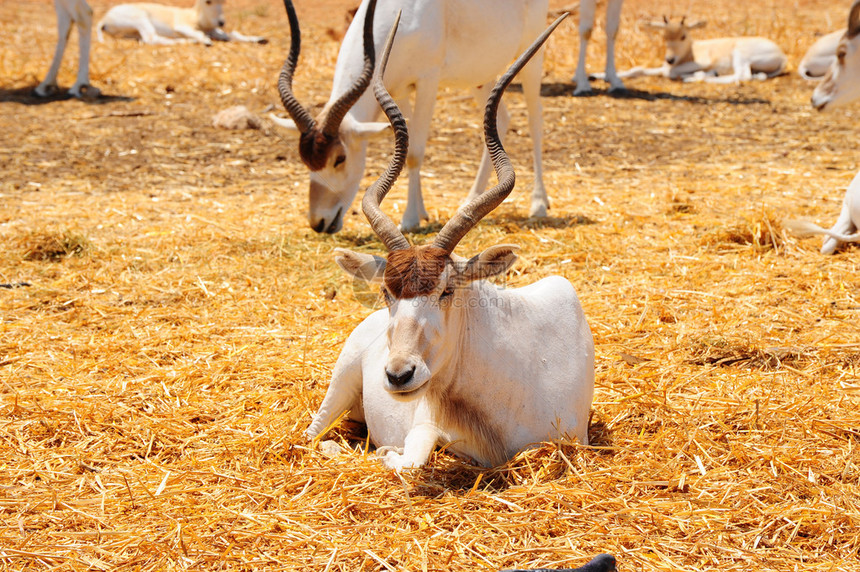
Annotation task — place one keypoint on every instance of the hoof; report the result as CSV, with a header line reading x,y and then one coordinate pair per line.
x,y
49,90
539,211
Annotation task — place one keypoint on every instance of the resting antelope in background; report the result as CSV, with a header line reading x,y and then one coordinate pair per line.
x,y
586,25
79,12
820,56
167,25
718,60
432,52
454,359
839,87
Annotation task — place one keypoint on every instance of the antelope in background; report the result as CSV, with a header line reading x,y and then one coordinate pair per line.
x,y
455,360
431,52
839,87
717,60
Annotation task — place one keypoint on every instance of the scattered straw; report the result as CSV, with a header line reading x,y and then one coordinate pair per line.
x,y
181,321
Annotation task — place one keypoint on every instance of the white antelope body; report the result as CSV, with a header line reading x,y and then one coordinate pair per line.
x,y
167,25
840,86
441,43
718,60
820,56
79,12
455,360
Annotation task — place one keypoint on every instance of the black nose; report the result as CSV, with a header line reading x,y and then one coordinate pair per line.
x,y
400,379
320,226
221,23
670,61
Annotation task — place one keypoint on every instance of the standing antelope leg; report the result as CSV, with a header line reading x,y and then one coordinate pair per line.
x,y
531,76
613,22
425,101
64,28
586,26
84,21
79,12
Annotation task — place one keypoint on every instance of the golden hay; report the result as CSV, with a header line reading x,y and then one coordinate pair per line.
x,y
168,321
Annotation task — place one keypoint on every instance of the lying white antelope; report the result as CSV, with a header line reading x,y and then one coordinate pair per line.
x,y
167,25
719,60
586,26
841,85
820,56
442,43
456,360
79,12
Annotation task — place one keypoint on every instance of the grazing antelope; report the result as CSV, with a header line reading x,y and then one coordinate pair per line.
x,y
719,60
454,359
79,12
442,43
586,26
820,56
840,86
167,25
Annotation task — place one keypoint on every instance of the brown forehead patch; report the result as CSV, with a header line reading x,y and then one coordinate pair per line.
x,y
414,271
673,31
314,148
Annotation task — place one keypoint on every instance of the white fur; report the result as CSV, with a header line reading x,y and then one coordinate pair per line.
x,y
79,12
453,43
840,86
846,227
820,56
167,25
522,358
718,60
586,25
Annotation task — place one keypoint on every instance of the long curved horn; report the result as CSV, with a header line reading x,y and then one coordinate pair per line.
x,y
469,215
297,111
383,226
339,108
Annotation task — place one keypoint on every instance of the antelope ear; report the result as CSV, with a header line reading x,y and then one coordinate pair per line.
x,y
854,20
653,25
366,267
495,260
285,123
371,129
697,24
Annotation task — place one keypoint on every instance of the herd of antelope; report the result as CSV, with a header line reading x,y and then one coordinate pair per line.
x,y
454,360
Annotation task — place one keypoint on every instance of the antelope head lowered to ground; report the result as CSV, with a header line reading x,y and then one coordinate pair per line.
x,y
442,43
454,359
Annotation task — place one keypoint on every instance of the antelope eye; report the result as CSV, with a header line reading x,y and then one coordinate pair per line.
x,y
386,295
841,52
446,293
683,37
340,160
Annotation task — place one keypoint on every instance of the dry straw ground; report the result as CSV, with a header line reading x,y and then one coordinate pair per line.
x,y
180,320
